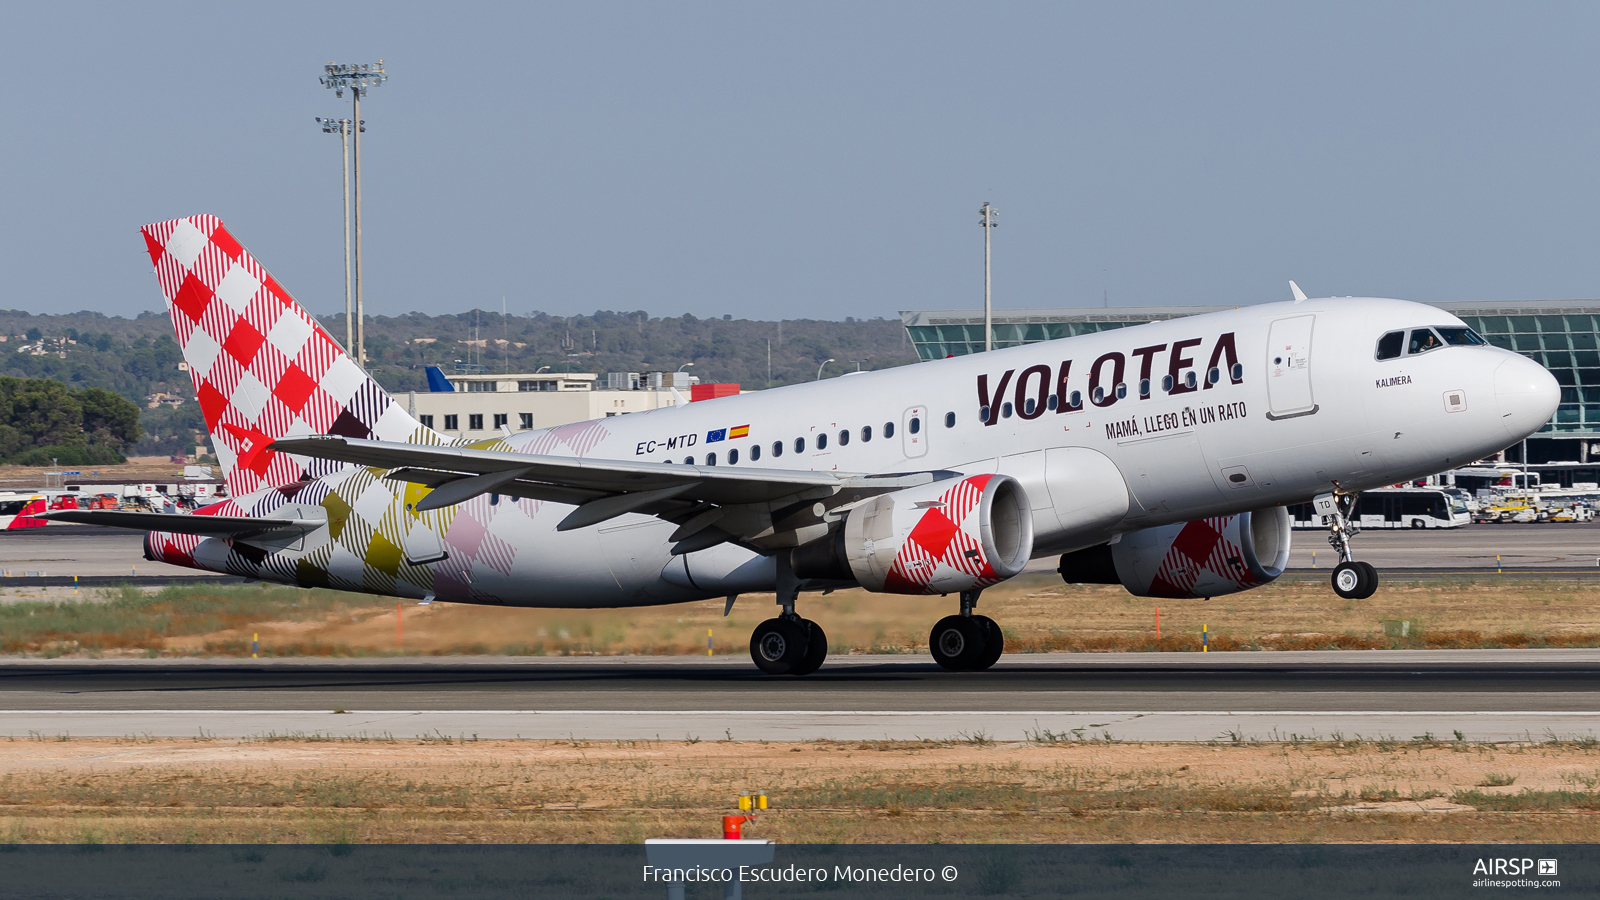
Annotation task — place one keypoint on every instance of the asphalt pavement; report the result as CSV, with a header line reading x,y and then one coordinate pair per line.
x,y
1496,695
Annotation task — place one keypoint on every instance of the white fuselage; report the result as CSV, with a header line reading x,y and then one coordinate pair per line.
x,y
1312,410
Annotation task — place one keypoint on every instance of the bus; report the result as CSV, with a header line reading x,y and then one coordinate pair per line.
x,y
15,508
1398,508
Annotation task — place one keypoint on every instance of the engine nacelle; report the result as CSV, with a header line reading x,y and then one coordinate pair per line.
x,y
941,538
1203,558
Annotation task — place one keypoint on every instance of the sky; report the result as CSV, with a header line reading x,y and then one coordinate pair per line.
x,y
812,160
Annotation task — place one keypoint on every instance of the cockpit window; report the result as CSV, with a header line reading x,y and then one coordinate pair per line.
x,y
1461,337
1389,345
1422,340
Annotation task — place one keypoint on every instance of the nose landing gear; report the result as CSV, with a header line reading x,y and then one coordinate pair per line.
x,y
1352,580
965,642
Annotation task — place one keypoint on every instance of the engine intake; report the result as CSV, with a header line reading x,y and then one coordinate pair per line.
x,y
941,538
1203,558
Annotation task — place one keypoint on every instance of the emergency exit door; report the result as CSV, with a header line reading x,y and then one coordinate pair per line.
x,y
1289,368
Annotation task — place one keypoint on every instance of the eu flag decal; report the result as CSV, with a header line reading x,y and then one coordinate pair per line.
x,y
721,434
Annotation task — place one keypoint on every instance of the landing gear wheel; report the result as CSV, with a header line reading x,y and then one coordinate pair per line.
x,y
958,643
1348,580
778,646
993,641
816,649
1369,579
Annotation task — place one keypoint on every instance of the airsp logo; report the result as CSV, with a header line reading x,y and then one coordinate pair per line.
x,y
1501,866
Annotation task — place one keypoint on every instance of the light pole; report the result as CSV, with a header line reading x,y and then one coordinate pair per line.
x,y
680,368
990,221
819,368
341,127
357,78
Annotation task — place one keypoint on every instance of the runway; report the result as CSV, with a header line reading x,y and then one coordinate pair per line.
x,y
1486,695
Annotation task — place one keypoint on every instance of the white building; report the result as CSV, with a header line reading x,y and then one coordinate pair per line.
x,y
480,405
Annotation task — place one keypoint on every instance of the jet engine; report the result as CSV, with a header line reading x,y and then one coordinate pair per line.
x,y
945,537
1202,558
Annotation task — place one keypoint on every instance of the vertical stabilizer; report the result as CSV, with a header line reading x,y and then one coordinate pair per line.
x,y
263,368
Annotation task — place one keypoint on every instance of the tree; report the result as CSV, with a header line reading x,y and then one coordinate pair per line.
x,y
43,411
109,420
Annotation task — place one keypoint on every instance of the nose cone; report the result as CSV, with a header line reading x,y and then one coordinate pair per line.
x,y
1527,395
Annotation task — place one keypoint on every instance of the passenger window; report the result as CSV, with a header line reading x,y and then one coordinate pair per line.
x,y
916,424
1237,371
866,433
983,413
733,457
822,441
1122,390
888,430
777,449
688,460
949,420
1422,340
844,436
1005,410
1389,345
1166,384
1076,401
799,445
1030,406
755,452
1144,387
1213,375
711,459
1052,403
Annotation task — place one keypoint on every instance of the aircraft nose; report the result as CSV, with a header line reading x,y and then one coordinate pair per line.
x,y
1527,395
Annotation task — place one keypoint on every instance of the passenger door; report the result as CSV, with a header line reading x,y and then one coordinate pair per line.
x,y
1289,368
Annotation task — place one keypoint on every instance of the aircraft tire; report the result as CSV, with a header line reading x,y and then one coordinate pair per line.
x,y
994,643
777,646
1369,581
1348,580
957,643
816,649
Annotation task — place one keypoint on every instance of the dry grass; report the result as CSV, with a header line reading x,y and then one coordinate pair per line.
x,y
1037,614
110,791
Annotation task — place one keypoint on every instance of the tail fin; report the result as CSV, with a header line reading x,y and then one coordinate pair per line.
x,y
263,368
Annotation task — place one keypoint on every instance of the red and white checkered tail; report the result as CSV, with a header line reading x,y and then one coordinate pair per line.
x,y
262,367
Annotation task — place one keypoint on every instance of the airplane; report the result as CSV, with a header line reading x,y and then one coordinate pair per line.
x,y
1160,457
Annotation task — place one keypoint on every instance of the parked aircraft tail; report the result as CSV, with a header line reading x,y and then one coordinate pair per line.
x,y
263,369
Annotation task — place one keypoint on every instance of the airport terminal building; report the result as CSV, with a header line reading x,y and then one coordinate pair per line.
x,y
1561,335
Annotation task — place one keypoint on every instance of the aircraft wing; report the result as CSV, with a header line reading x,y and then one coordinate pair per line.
x,y
239,527
712,503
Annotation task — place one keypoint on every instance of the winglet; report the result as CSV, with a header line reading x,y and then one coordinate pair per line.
x,y
1299,295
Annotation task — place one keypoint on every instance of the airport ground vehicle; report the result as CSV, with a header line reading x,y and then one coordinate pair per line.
x,y
17,509
1158,457
1399,508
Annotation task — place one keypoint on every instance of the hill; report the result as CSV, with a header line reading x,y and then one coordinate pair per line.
x,y
138,358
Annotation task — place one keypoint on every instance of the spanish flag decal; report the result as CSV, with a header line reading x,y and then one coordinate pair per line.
x,y
741,431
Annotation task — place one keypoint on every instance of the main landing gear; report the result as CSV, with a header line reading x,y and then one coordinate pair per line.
x,y
788,644
1352,580
965,642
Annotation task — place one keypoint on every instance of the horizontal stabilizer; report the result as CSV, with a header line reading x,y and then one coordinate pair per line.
x,y
241,527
